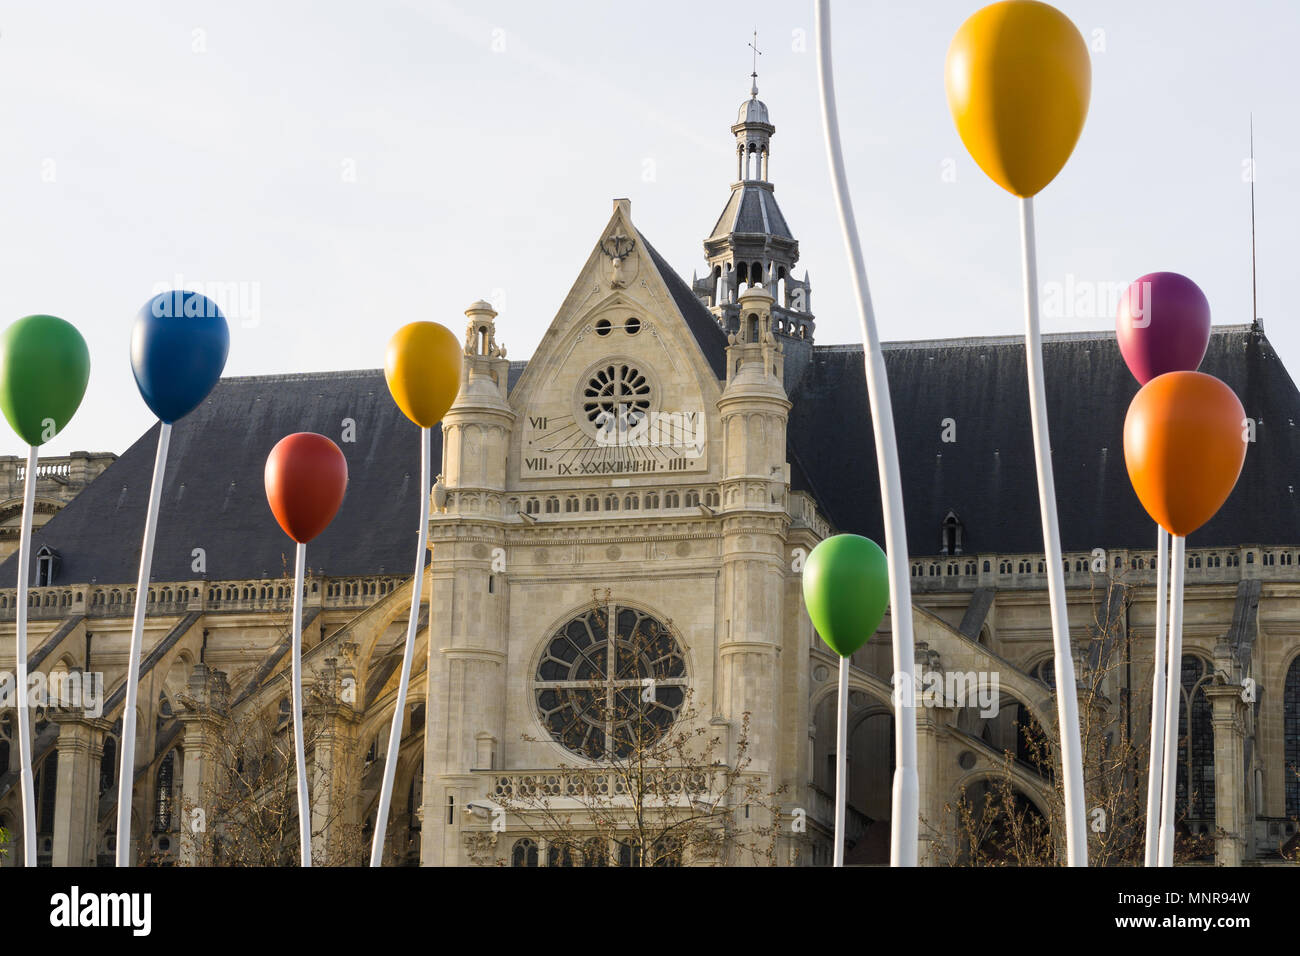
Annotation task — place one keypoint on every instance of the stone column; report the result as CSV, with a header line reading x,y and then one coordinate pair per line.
x,y
1232,815
334,775
930,731
204,720
76,815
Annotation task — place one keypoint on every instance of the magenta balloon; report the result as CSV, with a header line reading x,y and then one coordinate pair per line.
x,y
1163,325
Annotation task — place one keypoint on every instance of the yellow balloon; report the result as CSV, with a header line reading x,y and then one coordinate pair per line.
x,y
423,371
1019,78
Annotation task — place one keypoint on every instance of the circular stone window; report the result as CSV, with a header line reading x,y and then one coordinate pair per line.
x,y
632,326
615,393
603,327
610,695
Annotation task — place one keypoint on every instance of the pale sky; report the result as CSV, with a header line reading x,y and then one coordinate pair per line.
x,y
346,168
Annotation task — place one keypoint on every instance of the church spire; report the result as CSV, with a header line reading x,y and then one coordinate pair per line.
x,y
751,244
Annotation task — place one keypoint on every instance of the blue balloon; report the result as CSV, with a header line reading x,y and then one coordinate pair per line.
x,y
179,345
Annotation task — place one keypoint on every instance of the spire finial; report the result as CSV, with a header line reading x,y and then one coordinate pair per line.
x,y
753,90
1254,299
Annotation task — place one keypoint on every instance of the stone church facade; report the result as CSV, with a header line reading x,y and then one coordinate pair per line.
x,y
666,458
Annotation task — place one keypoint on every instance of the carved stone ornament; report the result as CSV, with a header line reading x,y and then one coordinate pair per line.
x,y
617,249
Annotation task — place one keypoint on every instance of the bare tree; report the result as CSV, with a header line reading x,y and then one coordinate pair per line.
x,y
999,825
249,802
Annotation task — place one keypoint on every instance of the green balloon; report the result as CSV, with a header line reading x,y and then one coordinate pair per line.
x,y
846,590
44,367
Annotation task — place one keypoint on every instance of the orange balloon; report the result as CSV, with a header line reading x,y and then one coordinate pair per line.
x,y
1019,79
1184,445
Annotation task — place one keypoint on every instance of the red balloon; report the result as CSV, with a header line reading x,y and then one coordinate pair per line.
x,y
306,478
1184,446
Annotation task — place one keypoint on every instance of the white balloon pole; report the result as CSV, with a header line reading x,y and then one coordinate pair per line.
x,y
1156,756
395,733
299,747
841,762
904,824
24,717
1173,697
126,773
1067,702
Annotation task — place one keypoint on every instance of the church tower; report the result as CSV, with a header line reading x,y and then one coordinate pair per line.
x,y
754,412
466,725
751,244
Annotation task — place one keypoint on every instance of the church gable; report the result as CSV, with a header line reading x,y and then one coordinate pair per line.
x,y
620,384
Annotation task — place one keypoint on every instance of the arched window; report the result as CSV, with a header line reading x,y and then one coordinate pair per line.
x,y
532,506
552,506
415,799
47,781
651,499
1045,671
588,683
108,765
46,565
524,853
951,534
595,852
664,852
611,502
592,503
1031,742
1195,742
671,500
1291,734
632,502
692,498
571,504
711,499
987,567
560,853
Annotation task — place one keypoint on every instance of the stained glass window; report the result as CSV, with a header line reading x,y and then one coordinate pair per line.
x,y
603,697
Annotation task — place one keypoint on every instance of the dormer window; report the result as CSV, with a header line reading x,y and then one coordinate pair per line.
x,y
952,534
47,566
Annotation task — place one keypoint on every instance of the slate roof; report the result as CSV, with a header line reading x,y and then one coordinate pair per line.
x,y
751,210
987,476
703,326
214,497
